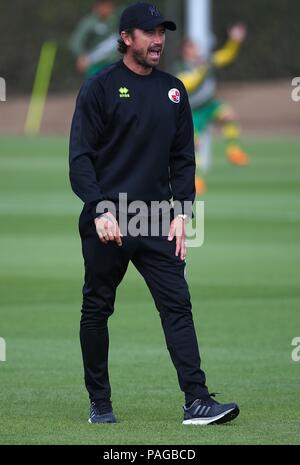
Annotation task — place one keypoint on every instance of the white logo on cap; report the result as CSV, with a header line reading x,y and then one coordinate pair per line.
x,y
174,95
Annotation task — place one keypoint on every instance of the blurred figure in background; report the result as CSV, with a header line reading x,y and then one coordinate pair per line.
x,y
94,40
199,80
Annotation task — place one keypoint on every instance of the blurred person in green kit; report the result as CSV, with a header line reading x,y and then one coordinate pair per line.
x,y
93,42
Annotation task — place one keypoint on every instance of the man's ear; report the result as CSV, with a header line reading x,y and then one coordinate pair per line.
x,y
127,38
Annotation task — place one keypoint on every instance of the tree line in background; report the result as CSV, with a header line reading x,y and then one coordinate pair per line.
x,y
270,51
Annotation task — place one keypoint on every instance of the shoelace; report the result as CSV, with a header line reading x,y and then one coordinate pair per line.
x,y
210,400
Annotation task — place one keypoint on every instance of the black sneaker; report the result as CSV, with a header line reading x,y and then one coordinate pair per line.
x,y
97,417
209,411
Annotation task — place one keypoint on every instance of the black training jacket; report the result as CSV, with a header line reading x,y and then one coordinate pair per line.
x,y
132,134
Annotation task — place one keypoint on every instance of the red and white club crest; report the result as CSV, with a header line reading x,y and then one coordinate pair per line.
x,y
174,95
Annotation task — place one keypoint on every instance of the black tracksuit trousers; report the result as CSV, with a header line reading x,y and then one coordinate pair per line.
x,y
164,274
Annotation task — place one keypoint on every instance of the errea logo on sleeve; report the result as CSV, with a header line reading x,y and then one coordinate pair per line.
x,y
124,92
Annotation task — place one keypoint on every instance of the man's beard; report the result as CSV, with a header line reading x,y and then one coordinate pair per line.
x,y
138,55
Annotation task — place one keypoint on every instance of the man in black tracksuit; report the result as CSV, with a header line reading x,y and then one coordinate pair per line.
x,y
132,133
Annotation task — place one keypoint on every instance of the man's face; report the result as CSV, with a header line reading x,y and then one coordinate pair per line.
x,y
146,47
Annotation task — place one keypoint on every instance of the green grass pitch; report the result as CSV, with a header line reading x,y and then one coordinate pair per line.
x,y
244,283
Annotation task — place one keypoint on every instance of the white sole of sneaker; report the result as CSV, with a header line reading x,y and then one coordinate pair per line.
x,y
222,418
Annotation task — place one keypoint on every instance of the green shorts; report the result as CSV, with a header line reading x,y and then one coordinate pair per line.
x,y
206,114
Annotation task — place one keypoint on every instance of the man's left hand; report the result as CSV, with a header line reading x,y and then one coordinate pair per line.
x,y
178,230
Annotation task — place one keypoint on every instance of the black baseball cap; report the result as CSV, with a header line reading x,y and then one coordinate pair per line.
x,y
143,16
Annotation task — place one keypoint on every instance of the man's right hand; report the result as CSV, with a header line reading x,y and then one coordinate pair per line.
x,y
108,229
